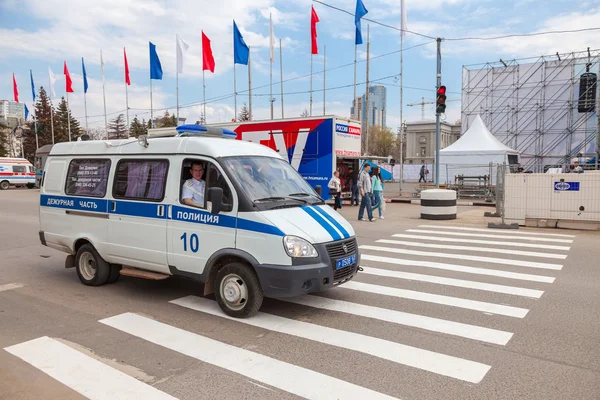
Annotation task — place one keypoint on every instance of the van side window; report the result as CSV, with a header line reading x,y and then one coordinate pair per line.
x,y
87,177
215,178
19,168
141,180
193,183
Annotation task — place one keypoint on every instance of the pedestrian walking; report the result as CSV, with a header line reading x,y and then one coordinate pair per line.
x,y
366,190
377,184
335,189
422,174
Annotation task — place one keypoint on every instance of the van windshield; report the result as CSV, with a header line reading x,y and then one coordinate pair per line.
x,y
267,179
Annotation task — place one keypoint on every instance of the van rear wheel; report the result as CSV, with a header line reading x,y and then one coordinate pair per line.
x,y
238,290
4,185
91,268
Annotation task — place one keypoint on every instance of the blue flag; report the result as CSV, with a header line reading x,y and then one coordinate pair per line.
x,y
26,111
32,85
85,84
155,67
241,51
361,11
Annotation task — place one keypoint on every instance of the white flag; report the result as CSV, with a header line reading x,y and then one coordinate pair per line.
x,y
403,11
272,40
52,78
182,48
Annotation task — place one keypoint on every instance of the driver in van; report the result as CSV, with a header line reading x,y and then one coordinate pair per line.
x,y
193,188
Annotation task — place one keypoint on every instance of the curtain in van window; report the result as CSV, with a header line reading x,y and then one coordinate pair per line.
x,y
137,177
157,183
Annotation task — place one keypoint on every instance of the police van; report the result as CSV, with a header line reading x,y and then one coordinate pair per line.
x,y
193,201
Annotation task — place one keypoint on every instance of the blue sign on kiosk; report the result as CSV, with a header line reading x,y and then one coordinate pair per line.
x,y
566,186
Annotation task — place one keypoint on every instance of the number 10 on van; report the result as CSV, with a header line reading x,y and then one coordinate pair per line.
x,y
193,242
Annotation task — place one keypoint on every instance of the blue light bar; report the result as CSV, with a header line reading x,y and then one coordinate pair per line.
x,y
201,130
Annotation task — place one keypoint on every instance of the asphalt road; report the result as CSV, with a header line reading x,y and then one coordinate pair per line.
x,y
439,312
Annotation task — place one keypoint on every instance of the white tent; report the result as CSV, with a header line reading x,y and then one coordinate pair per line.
x,y
472,154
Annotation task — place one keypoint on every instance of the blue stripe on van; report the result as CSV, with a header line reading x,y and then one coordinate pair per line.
x,y
322,222
150,210
332,220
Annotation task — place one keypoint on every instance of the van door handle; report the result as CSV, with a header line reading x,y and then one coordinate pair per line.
x,y
113,206
161,210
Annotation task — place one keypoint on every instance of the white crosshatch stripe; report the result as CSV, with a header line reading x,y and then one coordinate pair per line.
x,y
266,370
483,235
486,242
511,232
438,363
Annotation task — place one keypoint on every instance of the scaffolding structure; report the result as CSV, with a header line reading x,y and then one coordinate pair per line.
x,y
531,105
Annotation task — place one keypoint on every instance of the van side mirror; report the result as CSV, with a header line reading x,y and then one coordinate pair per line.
x,y
215,196
318,189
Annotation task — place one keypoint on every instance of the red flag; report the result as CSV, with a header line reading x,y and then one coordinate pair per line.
x,y
314,18
126,68
69,81
15,90
208,62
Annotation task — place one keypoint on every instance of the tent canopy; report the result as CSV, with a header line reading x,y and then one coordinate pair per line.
x,y
477,140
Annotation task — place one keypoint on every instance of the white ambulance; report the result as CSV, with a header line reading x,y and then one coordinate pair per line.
x,y
16,172
193,201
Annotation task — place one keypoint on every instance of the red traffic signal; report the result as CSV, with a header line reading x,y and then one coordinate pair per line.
x,y
441,100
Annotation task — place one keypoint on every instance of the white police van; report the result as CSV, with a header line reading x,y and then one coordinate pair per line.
x,y
254,227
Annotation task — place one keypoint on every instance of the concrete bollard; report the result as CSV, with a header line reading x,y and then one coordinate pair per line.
x,y
438,204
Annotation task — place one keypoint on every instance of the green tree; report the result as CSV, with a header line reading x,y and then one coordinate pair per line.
x,y
244,114
304,113
382,142
4,140
167,121
45,114
64,117
138,128
117,128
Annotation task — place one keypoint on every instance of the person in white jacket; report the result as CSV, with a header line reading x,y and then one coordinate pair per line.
x,y
335,189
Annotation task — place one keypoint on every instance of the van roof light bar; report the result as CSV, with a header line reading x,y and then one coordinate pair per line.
x,y
192,130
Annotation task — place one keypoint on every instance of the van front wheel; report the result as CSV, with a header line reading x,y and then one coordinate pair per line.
x,y
91,268
238,290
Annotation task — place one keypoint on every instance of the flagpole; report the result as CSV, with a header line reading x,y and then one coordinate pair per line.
x,y
37,143
272,58
354,99
401,76
177,78
204,94
104,95
249,86
234,92
68,117
367,94
311,76
86,115
127,104
51,117
151,106
324,62
281,74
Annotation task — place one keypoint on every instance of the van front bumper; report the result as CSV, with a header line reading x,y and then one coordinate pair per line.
x,y
305,275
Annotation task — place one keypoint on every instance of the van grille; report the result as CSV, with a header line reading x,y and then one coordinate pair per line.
x,y
336,249
343,273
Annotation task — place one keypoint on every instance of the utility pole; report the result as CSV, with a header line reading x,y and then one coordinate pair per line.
x,y
437,115
367,95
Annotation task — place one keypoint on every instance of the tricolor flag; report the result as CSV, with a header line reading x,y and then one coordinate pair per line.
x,y
69,86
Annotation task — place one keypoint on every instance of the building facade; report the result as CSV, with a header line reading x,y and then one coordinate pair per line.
x,y
377,107
420,140
11,109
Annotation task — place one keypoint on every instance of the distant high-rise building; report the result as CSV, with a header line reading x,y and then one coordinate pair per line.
x,y
377,107
11,109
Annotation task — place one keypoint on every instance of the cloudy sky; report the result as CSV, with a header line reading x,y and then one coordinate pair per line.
x,y
37,34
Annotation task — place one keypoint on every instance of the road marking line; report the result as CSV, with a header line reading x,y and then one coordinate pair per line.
x,y
489,308
481,235
459,268
10,286
487,242
474,248
504,261
488,287
288,377
415,357
84,374
474,332
488,230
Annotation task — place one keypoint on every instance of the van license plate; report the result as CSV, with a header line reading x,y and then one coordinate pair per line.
x,y
345,262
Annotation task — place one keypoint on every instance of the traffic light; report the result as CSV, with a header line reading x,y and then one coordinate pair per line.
x,y
441,100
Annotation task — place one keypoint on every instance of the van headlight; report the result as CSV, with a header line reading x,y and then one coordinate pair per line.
x,y
298,247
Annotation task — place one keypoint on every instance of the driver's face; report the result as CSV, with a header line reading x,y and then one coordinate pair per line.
x,y
197,171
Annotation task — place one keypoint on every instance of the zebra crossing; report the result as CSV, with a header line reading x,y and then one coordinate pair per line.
x,y
452,270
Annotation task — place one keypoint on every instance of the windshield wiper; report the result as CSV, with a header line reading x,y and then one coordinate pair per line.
x,y
275,198
300,194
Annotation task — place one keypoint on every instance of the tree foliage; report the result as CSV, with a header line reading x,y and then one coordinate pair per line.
x,y
382,142
244,114
4,130
117,128
167,121
138,128
304,113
